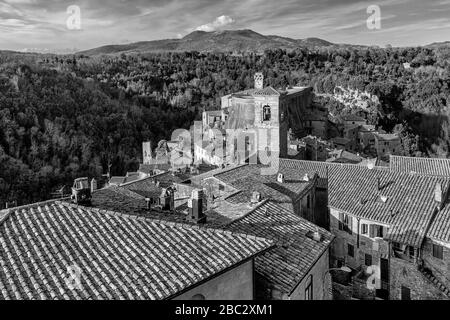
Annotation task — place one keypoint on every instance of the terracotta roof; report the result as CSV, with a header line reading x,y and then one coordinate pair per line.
x,y
248,178
148,168
119,257
440,227
387,136
296,252
117,180
432,166
409,206
122,200
144,187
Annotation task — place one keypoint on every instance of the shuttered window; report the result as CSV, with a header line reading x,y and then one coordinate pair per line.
x,y
438,251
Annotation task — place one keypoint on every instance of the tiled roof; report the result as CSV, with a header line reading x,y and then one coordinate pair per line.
x,y
440,227
148,168
248,179
286,265
321,168
387,136
432,166
119,257
144,187
117,180
122,200
409,206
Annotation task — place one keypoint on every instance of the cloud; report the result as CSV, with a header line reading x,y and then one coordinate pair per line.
x,y
217,24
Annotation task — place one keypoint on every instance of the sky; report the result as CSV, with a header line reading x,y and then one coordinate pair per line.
x,y
54,25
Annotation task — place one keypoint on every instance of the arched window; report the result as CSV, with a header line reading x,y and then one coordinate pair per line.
x,y
198,297
266,113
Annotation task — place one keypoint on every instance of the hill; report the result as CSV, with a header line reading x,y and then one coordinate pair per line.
x,y
218,41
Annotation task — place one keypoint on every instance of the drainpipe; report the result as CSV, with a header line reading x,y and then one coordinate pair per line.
x,y
357,233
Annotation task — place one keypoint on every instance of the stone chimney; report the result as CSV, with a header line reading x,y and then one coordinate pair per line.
x,y
146,153
167,199
256,197
195,205
438,194
93,185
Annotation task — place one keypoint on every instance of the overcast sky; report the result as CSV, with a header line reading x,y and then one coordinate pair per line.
x,y
43,23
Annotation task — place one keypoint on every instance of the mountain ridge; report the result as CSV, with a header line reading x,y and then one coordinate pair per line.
x,y
244,40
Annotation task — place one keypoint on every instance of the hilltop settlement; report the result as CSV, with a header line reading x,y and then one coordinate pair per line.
x,y
344,215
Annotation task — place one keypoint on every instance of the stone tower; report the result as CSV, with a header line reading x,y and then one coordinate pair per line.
x,y
270,120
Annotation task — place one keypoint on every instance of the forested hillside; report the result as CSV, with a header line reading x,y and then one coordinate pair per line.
x,y
65,117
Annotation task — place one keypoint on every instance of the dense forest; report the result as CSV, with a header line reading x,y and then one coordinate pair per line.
x,y
63,117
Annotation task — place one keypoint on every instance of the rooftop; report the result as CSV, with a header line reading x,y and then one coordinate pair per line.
x,y
387,136
249,178
118,256
353,117
296,252
408,206
432,166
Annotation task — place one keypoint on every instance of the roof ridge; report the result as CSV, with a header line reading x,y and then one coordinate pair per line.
x,y
419,158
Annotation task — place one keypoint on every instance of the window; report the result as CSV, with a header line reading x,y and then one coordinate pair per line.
x,y
345,222
438,251
406,293
396,246
411,252
376,231
266,113
364,228
309,289
350,250
368,259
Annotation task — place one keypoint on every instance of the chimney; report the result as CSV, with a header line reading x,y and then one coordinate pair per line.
x,y
259,81
280,178
149,204
93,185
146,153
306,178
317,236
438,194
256,197
167,199
195,205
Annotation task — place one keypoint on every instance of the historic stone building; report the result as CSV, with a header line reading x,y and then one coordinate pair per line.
x,y
260,117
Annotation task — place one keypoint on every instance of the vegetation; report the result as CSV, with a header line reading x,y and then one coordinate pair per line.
x,y
63,117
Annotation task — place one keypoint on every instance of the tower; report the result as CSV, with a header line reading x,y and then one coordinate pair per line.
x,y
147,153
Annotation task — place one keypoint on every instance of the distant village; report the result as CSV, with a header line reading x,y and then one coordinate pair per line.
x,y
346,216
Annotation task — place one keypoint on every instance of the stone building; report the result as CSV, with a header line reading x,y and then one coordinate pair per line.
x,y
265,114
384,222
387,144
